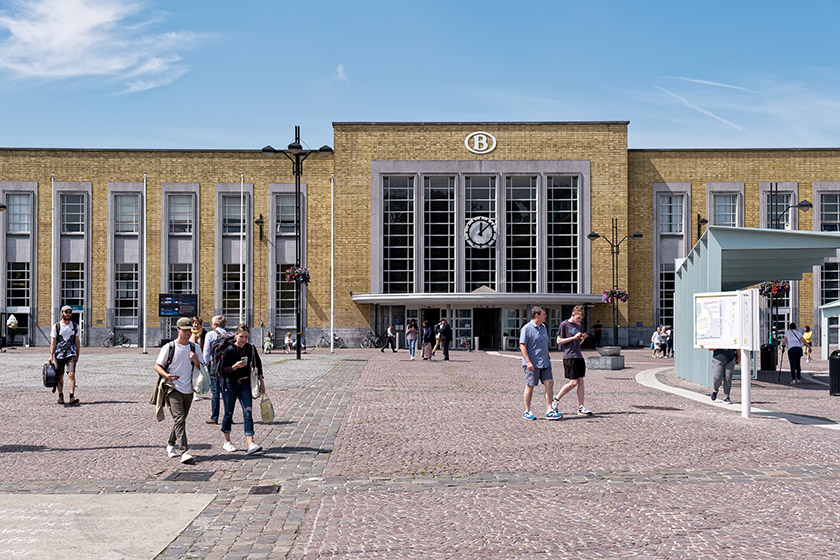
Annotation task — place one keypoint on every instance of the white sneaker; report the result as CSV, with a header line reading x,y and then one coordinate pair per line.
x,y
170,450
253,448
583,411
228,446
186,457
412,357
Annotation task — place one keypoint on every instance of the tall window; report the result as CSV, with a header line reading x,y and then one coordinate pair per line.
x,y
521,233
126,213
666,293
725,211
563,230
439,234
285,214
778,210
126,295
479,264
285,299
830,291
830,212
671,213
17,284
231,290
232,218
180,213
181,278
72,283
397,235
18,213
72,213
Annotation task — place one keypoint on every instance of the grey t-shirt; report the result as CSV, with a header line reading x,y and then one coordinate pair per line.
x,y
568,330
536,344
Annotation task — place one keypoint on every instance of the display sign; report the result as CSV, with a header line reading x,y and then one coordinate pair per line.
x,y
726,320
178,305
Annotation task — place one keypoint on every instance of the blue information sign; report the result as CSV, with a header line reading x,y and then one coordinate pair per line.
x,y
178,305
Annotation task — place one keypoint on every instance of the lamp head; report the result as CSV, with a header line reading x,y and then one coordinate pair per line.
x,y
804,205
268,150
295,148
593,235
325,149
636,235
702,221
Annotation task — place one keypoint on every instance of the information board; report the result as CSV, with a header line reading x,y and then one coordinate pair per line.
x,y
726,320
178,305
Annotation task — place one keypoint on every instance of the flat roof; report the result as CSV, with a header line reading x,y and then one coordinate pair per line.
x,y
472,123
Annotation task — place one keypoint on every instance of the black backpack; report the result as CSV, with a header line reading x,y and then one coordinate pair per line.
x,y
50,376
171,355
218,347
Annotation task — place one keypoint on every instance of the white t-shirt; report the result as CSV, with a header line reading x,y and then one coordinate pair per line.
x,y
180,366
793,339
66,332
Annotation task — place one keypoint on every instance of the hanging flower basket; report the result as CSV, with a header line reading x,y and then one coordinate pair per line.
x,y
298,275
616,295
774,288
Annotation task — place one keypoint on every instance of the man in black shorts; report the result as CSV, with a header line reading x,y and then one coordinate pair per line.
x,y
569,338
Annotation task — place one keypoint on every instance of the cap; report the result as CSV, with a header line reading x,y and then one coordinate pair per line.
x,y
67,308
184,324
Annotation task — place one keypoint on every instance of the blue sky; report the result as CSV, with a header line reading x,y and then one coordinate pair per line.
x,y
239,75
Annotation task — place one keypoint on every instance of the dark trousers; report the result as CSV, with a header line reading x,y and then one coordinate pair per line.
x,y
795,358
215,389
389,341
444,343
597,338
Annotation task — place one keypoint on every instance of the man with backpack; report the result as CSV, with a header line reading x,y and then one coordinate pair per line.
x,y
64,353
175,365
214,343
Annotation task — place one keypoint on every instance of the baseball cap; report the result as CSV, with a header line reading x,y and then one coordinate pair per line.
x,y
67,308
184,324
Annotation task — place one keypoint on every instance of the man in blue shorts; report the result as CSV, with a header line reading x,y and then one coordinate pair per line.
x,y
569,338
533,343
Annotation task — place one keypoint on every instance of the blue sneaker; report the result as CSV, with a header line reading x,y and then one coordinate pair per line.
x,y
552,415
528,416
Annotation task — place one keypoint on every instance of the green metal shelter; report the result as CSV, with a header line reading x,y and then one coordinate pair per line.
x,y
728,259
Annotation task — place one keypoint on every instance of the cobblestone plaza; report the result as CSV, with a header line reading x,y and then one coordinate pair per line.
x,y
374,456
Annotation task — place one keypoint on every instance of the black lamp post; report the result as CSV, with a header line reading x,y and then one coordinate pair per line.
x,y
296,155
700,223
615,249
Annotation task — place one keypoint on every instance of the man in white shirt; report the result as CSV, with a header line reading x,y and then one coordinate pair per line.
x,y
64,353
218,323
181,358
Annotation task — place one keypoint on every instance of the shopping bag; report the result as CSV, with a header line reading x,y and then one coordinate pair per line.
x,y
255,384
266,409
201,380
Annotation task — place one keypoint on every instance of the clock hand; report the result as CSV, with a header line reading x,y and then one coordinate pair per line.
x,y
483,227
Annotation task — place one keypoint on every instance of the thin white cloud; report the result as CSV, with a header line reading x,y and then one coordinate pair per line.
x,y
699,109
340,76
69,39
708,83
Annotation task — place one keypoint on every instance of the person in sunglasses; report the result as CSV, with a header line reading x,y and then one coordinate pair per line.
x,y
64,354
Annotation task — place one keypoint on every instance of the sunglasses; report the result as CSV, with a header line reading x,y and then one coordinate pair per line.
x,y
67,312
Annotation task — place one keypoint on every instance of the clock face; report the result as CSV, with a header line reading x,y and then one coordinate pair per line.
x,y
480,232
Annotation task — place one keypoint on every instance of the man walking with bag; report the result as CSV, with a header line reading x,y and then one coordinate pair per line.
x,y
217,323
175,365
64,353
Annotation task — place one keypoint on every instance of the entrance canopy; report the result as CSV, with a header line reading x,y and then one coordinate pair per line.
x,y
477,299
727,259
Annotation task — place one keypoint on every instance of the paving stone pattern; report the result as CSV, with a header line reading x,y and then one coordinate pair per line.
x,y
379,456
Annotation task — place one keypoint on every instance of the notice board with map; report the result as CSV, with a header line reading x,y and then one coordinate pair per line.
x,y
726,320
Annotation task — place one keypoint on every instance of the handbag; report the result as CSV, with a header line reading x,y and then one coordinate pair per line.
x,y
266,409
255,384
200,380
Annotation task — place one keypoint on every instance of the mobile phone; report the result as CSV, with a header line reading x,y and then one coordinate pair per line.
x,y
244,359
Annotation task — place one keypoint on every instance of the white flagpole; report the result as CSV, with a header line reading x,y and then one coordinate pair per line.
x,y
143,257
332,263
242,248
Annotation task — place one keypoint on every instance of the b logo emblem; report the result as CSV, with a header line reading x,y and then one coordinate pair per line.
x,y
480,142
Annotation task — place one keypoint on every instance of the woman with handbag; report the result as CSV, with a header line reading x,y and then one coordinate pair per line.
x,y
428,338
237,361
793,342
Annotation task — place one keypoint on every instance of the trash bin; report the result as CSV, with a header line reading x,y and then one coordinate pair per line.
x,y
834,374
768,357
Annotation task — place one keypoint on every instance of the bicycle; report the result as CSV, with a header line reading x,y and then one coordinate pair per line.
x,y
372,340
464,343
325,341
112,340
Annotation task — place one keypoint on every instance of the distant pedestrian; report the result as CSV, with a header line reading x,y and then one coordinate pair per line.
x,y
198,333
237,361
723,365
218,323
807,339
598,329
288,342
793,342
268,343
411,335
669,342
175,364
436,328
536,363
64,353
390,339
445,332
656,343
569,337
428,338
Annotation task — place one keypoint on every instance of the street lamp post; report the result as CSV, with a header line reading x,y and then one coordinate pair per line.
x,y
615,250
296,155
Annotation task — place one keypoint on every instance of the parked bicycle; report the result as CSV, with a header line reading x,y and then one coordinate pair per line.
x,y
325,341
464,343
114,340
372,340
